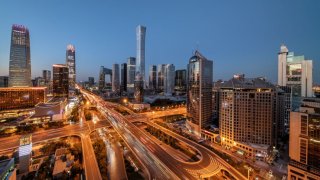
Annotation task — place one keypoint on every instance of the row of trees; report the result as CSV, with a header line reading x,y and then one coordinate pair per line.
x,y
100,151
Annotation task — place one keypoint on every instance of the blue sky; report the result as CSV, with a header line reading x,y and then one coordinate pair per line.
x,y
239,36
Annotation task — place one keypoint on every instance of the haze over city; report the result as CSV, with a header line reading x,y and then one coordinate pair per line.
x,y
240,37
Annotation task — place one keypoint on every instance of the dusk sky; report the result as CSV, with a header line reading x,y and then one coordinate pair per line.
x,y
239,36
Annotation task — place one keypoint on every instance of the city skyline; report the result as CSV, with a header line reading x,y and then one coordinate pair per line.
x,y
170,38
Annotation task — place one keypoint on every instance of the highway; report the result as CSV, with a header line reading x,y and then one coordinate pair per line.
x,y
159,162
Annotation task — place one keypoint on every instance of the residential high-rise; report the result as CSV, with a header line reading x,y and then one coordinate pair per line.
x,y
141,41
20,60
60,80
181,80
249,111
115,78
123,82
295,72
160,76
153,77
169,76
91,81
71,63
4,80
131,74
199,93
304,141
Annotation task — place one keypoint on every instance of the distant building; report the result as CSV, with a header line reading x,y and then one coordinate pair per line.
x,y
295,72
46,75
60,80
71,64
25,149
160,76
131,73
20,60
123,82
4,81
169,76
91,81
248,115
153,77
102,76
180,81
141,42
7,170
304,142
138,89
199,93
115,78
21,97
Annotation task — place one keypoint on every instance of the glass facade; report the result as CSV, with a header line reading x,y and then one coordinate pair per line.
x,y
60,80
199,92
180,80
21,97
20,60
131,73
71,63
115,78
153,77
4,80
141,40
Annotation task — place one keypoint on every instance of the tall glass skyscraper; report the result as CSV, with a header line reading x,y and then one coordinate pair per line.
x,y
20,63
140,64
153,77
115,78
199,93
169,79
60,80
71,63
131,73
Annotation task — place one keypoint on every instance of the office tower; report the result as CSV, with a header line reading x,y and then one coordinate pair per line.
x,y
131,74
304,141
91,81
20,63
141,40
21,97
115,78
295,72
60,80
153,77
25,150
169,76
102,76
160,76
284,123
39,82
46,75
138,89
71,64
181,80
250,109
8,170
4,80
199,93
123,77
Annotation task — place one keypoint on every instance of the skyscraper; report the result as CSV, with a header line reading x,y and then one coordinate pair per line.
x,y
141,40
60,80
102,76
295,72
153,77
123,77
181,80
138,89
160,76
199,93
115,78
304,141
131,73
169,76
46,75
91,81
71,63
20,60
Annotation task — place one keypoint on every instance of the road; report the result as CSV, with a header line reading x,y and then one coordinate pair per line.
x,y
162,165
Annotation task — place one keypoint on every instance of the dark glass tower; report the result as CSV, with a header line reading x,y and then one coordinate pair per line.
x,y
60,80
20,63
123,83
71,63
153,77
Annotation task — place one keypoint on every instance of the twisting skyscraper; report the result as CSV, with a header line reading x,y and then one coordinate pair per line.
x,y
71,63
20,63
140,63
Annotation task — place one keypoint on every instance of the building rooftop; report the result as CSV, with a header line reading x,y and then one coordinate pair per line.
x,y
240,82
